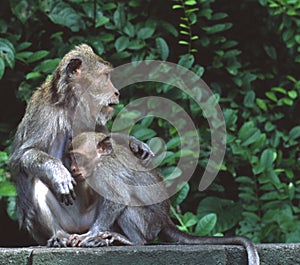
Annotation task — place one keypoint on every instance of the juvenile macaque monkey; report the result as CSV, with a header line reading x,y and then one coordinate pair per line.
x,y
78,97
108,168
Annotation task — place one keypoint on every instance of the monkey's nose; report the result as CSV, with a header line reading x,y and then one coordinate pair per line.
x,y
73,169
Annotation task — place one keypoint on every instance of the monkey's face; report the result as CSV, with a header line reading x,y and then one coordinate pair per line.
x,y
83,82
86,150
78,166
96,96
81,164
106,95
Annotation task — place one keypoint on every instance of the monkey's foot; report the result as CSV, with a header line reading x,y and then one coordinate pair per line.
x,y
101,239
59,240
75,239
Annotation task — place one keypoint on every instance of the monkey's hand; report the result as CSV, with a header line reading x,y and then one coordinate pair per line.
x,y
140,149
64,187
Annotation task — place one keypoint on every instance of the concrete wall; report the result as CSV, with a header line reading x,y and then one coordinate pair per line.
x,y
271,254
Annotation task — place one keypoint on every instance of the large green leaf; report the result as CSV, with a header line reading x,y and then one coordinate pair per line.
x,y
119,17
174,142
217,28
37,56
163,48
189,219
295,133
102,21
144,134
206,224
7,52
122,43
145,33
267,158
63,14
48,66
178,198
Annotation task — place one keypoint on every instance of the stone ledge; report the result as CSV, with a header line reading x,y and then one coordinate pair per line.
x,y
271,254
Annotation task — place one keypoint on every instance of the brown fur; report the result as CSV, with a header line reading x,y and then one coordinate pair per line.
x,y
77,97
107,166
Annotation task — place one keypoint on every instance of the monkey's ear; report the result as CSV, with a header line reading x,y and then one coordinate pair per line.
x,y
104,147
73,67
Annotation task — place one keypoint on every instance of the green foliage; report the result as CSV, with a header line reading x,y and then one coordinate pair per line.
x,y
252,65
188,19
7,188
286,14
7,55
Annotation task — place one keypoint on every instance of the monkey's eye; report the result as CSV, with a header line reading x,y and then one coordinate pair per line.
x,y
79,159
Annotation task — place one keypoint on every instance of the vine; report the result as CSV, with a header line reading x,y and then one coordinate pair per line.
x,y
189,19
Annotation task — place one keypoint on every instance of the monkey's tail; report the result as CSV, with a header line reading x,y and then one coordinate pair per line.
x,y
173,234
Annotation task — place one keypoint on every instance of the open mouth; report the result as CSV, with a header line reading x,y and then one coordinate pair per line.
x,y
111,106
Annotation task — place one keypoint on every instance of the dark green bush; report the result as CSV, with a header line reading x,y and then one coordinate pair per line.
x,y
247,52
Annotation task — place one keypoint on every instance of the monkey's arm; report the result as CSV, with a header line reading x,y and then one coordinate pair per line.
x,y
51,171
139,149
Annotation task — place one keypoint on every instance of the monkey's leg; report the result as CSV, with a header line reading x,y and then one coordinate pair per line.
x,y
49,218
100,233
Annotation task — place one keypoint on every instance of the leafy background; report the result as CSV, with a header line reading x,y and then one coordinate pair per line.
x,y
246,51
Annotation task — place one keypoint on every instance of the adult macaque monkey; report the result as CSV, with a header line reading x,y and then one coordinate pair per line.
x,y
96,158
80,88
